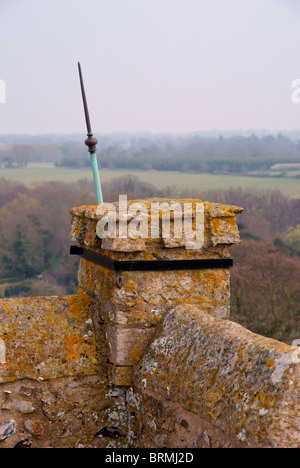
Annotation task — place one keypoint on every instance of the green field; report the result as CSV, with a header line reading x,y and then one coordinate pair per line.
x,y
183,181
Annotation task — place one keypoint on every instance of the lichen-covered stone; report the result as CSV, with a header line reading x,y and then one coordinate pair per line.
x,y
244,384
158,423
219,227
144,359
131,304
127,345
121,376
46,338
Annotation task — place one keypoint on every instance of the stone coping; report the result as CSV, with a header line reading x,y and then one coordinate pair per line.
x,y
220,228
245,384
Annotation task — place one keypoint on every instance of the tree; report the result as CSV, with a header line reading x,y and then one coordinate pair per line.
x,y
21,241
23,154
292,238
265,294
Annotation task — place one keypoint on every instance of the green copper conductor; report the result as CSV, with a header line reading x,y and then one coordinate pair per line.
x,y
91,142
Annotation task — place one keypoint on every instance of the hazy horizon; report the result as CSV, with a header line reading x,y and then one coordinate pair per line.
x,y
168,66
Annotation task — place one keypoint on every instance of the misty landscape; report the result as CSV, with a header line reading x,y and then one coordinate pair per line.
x,y
146,342
34,219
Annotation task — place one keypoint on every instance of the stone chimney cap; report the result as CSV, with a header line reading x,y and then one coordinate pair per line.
x,y
214,210
217,226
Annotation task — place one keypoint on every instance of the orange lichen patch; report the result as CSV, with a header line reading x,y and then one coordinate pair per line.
x,y
217,210
137,317
79,347
270,363
224,230
222,225
80,307
86,211
37,332
90,237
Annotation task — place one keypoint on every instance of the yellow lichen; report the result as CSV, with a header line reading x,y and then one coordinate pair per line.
x,y
80,307
270,363
81,347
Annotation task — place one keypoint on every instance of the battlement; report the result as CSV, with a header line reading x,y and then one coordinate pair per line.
x,y
146,347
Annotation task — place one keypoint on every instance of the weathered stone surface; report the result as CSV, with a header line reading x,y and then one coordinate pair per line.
x,y
120,376
157,423
224,230
127,345
130,305
145,359
35,428
47,338
131,313
21,406
7,430
244,384
118,245
219,227
69,412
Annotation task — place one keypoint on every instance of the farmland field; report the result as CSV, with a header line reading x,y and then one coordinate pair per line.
x,y
289,186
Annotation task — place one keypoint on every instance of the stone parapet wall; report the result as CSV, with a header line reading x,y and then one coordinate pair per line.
x,y
58,413
144,358
54,390
246,386
54,387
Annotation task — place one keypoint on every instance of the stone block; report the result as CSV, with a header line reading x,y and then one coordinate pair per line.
x,y
127,345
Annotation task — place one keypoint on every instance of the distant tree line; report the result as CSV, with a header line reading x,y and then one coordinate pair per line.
x,y
186,164
238,154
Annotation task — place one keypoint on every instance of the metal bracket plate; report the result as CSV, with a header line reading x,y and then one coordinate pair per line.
x,y
151,265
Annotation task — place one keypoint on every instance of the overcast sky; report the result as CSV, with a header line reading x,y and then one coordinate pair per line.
x,y
157,65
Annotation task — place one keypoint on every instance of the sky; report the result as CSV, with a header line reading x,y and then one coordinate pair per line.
x,y
149,65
